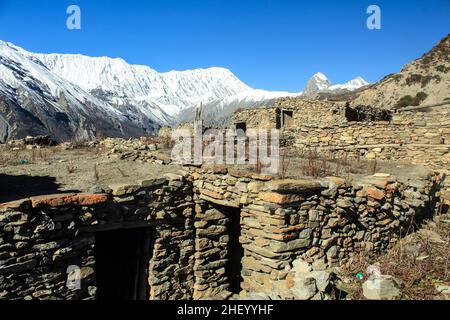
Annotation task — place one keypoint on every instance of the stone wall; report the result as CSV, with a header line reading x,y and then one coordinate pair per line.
x,y
419,136
303,112
217,195
263,118
41,237
323,221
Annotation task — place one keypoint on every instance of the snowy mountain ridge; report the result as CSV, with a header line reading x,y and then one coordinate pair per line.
x,y
36,101
319,83
72,96
172,91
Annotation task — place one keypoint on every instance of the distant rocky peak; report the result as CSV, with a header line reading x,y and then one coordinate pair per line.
x,y
316,83
320,83
320,76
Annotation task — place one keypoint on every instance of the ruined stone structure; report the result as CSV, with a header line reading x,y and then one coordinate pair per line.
x,y
213,231
420,136
323,221
205,233
41,237
289,113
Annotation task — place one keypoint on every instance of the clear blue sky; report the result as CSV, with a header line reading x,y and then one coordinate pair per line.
x,y
269,44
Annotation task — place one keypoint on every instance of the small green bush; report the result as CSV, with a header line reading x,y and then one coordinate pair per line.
x,y
420,97
426,80
413,78
443,68
411,101
423,80
404,102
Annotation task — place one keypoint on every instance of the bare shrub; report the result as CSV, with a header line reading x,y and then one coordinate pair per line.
x,y
167,142
418,262
284,166
258,167
316,166
315,163
71,167
96,175
372,167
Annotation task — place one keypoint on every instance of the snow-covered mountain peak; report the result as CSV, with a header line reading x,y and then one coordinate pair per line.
x,y
10,45
316,83
320,76
77,96
320,83
350,85
358,81
35,101
173,90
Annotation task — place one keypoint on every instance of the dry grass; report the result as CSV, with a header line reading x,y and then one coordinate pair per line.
x,y
71,167
22,155
96,174
419,262
311,163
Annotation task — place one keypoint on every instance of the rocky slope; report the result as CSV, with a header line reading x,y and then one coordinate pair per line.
x,y
34,101
425,81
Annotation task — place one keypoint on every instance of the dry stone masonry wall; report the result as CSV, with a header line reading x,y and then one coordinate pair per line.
x,y
420,136
325,222
42,236
199,219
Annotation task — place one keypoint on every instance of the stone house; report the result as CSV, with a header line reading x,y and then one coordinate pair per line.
x,y
206,233
288,113
418,135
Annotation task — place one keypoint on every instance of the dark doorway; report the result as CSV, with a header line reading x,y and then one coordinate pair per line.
x,y
121,263
287,118
235,251
241,126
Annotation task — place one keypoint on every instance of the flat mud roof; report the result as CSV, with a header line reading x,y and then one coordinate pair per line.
x,y
71,171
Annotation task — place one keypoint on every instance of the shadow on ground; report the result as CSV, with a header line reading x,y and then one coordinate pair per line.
x,y
18,187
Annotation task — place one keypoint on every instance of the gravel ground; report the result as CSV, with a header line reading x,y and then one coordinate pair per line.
x,y
66,171
27,173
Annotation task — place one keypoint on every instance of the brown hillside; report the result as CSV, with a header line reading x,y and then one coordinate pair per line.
x,y
424,81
